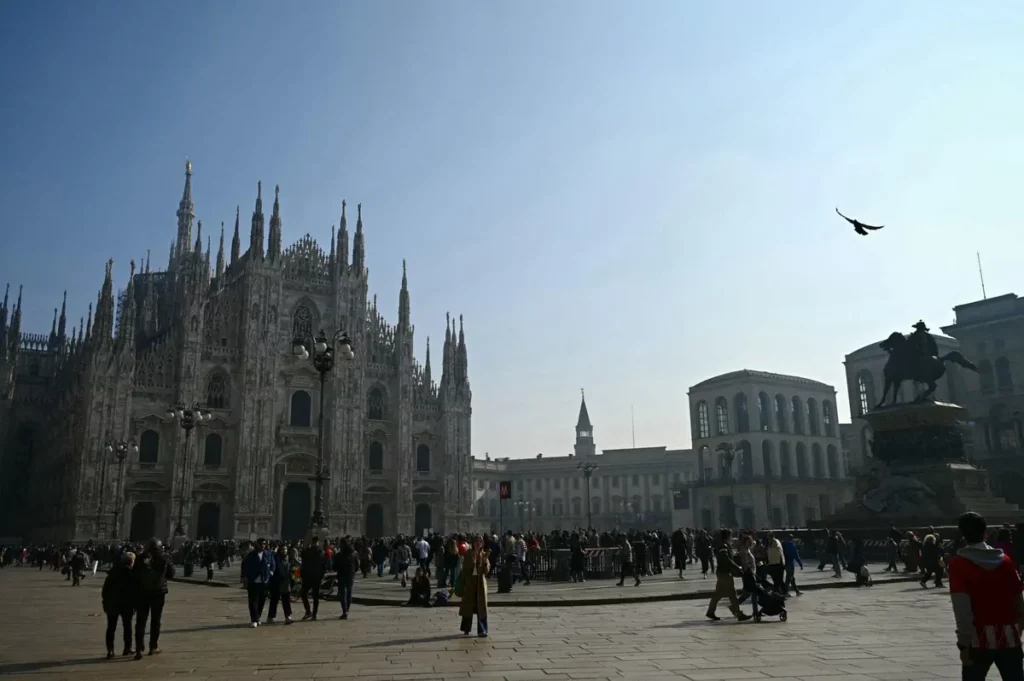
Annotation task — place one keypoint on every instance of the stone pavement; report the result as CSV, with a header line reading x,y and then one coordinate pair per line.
x,y
888,633
665,587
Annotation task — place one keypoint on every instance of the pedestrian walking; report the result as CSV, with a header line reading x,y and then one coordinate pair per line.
x,y
725,571
151,571
281,586
119,602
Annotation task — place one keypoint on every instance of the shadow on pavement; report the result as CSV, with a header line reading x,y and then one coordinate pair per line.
x,y
25,667
409,641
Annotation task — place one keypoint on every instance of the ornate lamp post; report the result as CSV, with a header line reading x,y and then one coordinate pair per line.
x,y
522,505
588,468
187,417
728,452
323,354
120,449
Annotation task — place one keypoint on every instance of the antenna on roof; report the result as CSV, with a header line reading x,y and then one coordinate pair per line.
x,y
632,421
981,274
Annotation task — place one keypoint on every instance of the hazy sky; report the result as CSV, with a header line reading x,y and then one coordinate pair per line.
x,y
626,197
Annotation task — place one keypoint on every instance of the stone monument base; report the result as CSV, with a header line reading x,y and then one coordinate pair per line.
x,y
919,475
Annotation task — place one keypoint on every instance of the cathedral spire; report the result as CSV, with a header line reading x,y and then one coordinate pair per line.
x,y
426,366
105,306
186,214
403,301
256,231
62,324
14,333
236,243
274,243
126,324
343,239
199,240
220,253
3,314
53,329
331,258
147,262
461,358
584,430
88,324
358,246
446,353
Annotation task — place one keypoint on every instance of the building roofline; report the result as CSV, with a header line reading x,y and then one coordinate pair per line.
x,y
755,375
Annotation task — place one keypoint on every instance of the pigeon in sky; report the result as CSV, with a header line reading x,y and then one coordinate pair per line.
x,y
859,226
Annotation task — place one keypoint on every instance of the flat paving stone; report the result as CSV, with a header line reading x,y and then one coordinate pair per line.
x,y
891,632
386,590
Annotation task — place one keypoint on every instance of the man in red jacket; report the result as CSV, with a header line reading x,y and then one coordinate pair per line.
x,y
988,605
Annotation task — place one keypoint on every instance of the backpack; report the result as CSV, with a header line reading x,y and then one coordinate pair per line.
x,y
150,579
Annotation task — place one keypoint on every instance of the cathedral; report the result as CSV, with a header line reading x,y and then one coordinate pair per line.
x,y
92,445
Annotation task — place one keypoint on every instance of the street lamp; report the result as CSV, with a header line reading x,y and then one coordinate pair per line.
x,y
522,505
323,354
120,449
588,468
728,452
187,417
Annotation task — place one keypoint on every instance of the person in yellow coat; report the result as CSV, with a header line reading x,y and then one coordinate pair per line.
x,y
475,566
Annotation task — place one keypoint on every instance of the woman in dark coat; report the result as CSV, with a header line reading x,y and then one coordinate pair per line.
x,y
281,586
475,566
119,602
345,566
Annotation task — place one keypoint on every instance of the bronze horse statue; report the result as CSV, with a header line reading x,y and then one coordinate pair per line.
x,y
906,363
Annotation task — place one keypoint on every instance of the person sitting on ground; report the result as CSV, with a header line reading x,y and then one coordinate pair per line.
x,y
419,593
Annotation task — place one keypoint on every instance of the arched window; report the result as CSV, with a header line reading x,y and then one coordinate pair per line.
x,y
1004,380
780,415
785,464
832,455
302,322
985,377
212,450
217,391
704,462
766,459
746,457
375,404
725,467
302,408
812,416
826,414
764,412
819,465
703,422
865,391
375,461
721,416
739,402
423,459
801,460
798,416
149,447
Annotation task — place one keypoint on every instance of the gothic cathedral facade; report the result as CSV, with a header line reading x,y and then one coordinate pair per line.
x,y
396,445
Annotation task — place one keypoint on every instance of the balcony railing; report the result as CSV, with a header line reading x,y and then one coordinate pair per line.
x,y
724,480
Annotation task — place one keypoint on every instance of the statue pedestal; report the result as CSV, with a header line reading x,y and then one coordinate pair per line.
x,y
919,476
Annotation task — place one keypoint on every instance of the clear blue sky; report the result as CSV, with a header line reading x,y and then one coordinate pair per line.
x,y
624,197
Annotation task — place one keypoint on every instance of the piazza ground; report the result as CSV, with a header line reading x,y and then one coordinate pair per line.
x,y
890,632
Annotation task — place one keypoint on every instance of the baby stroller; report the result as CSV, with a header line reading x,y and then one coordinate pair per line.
x,y
771,602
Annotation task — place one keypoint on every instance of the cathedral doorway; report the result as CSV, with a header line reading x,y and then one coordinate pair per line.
x,y
208,524
374,521
424,518
143,522
296,510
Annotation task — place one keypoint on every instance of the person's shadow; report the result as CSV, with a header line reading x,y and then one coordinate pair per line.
x,y
25,667
408,641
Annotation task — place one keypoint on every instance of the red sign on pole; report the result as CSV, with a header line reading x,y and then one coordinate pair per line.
x,y
505,489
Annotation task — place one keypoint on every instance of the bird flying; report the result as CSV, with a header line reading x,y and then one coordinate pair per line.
x,y
859,226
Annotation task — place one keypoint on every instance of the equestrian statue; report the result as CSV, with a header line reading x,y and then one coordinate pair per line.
x,y
916,358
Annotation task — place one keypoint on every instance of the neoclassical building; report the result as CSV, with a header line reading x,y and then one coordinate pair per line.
x,y
782,464
628,488
216,328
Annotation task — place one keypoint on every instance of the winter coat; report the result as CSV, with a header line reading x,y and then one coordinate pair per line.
x,y
118,589
474,586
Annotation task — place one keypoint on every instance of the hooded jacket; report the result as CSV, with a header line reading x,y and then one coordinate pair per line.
x,y
988,604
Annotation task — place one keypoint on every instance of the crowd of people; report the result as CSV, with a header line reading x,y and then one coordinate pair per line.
x,y
274,572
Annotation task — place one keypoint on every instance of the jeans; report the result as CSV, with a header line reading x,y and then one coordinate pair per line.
x,y
345,593
791,579
481,625
284,598
380,568
151,605
1007,662
126,626
257,597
